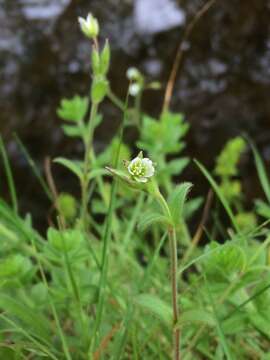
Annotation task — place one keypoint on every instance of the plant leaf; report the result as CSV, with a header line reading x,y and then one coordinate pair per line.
x,y
72,130
73,166
150,219
261,172
177,200
35,321
156,306
219,194
73,109
197,316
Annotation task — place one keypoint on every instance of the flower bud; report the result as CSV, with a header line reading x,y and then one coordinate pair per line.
x,y
133,74
134,89
105,59
95,61
89,26
124,178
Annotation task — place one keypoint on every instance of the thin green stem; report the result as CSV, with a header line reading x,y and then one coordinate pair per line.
x,y
86,166
162,202
34,167
106,240
115,100
138,101
133,220
174,287
10,180
173,271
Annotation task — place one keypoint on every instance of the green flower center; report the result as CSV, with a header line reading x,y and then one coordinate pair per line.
x,y
138,169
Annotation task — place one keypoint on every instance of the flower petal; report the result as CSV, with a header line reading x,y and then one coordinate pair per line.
x,y
132,163
141,179
81,21
149,168
89,19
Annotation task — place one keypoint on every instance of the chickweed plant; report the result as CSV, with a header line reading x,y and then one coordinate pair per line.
x,y
119,274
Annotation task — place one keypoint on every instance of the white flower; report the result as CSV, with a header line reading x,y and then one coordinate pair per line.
x,y
133,73
134,89
89,26
141,169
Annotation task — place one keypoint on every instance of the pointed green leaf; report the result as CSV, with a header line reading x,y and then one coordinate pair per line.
x,y
96,173
72,131
176,166
262,209
73,166
219,193
261,172
155,306
105,59
177,200
99,89
197,316
150,219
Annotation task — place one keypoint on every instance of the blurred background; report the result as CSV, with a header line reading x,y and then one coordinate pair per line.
x,y
222,86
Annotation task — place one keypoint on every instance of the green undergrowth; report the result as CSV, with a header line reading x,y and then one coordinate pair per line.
x,y
102,283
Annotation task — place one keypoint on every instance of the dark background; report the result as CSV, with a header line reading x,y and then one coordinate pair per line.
x,y
222,88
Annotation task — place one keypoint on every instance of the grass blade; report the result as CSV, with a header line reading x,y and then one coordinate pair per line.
x,y
261,171
219,194
34,167
28,336
10,180
122,337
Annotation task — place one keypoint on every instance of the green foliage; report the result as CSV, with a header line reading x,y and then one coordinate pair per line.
x,y
177,201
246,220
163,137
105,59
101,62
73,109
156,306
73,166
226,262
64,241
97,285
231,189
150,219
262,209
228,159
67,206
13,267
99,89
